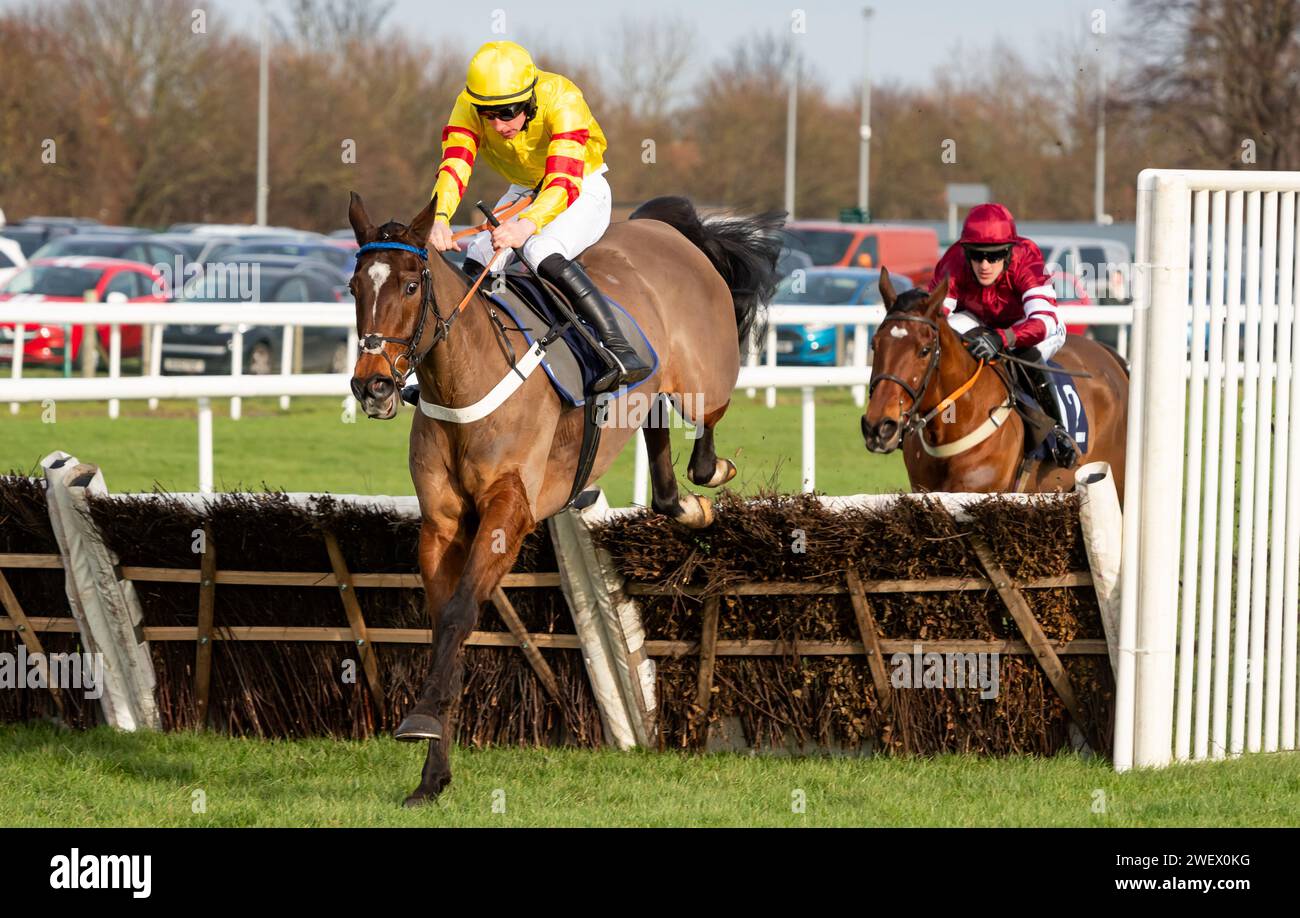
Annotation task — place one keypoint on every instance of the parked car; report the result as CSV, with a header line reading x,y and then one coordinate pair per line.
x,y
334,276
909,250
814,344
142,248
791,260
191,246
1086,270
206,349
31,238
329,252
1104,266
12,260
67,280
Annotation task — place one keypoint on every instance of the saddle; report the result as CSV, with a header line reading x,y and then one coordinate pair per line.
x,y
570,362
1042,404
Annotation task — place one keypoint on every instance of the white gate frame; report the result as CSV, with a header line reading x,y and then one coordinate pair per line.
x,y
1174,646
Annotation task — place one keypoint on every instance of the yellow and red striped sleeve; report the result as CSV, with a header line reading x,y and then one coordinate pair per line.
x,y
569,122
460,140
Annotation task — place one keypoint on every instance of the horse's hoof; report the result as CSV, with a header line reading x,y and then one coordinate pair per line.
x,y
416,727
724,470
697,511
418,799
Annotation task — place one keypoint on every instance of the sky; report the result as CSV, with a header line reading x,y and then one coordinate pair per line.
x,y
910,39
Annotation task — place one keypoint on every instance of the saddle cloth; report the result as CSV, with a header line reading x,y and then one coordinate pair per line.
x,y
570,362
1069,408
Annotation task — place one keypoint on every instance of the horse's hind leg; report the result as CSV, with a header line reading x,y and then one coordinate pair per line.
x,y
692,510
706,468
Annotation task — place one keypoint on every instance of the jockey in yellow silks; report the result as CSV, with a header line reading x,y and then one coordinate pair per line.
x,y
534,128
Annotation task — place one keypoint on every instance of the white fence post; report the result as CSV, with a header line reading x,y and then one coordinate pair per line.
x,y
205,446
809,449
16,371
114,363
236,369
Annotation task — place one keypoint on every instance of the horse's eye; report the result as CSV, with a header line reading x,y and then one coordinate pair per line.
x,y
925,351
411,288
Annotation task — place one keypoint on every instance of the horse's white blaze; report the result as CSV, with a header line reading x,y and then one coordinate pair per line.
x,y
378,275
898,331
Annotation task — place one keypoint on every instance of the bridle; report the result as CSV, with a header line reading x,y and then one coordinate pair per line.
x,y
374,343
910,421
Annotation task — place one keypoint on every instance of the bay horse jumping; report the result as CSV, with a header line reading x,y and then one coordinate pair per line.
x,y
695,287
954,418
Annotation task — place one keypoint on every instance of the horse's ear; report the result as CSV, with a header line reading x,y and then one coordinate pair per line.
x,y
422,223
935,301
887,294
360,220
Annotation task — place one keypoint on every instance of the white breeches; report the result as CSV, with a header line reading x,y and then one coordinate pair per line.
x,y
580,225
962,321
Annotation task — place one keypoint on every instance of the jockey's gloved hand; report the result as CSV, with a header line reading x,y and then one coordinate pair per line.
x,y
984,343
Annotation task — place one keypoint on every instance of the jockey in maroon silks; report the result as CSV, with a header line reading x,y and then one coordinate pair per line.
x,y
1000,299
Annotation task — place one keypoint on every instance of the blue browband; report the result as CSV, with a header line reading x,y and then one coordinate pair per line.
x,y
375,246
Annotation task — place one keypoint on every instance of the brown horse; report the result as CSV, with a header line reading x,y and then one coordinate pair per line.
x,y
695,289
976,440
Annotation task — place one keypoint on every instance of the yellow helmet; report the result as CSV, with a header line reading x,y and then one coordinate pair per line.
x,y
501,72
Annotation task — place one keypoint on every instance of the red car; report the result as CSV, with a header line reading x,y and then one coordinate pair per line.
x,y
67,279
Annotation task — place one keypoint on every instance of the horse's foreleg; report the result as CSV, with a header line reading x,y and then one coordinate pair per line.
x,y
706,468
442,559
691,510
504,520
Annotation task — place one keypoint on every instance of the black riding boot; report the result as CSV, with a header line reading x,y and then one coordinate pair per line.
x,y
1062,446
625,366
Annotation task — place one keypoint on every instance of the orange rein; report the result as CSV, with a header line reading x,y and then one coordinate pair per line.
x,y
504,213
961,390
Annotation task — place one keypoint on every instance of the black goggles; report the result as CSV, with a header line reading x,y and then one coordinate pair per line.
x,y
992,256
502,112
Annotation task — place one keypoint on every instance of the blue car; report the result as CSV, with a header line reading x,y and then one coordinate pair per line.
x,y
815,344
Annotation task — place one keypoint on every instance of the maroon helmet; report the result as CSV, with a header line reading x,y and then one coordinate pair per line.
x,y
988,226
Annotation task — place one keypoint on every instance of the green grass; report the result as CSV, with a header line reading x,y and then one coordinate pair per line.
x,y
102,777
311,448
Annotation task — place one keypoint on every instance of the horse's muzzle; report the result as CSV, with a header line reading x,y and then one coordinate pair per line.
x,y
377,395
883,436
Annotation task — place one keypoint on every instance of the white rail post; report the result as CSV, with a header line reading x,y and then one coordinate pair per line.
x,y
16,371
860,361
155,358
751,357
771,362
809,450
641,471
286,360
114,364
1159,489
205,445
236,369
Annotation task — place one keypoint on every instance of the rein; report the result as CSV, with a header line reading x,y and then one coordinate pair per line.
x,y
374,343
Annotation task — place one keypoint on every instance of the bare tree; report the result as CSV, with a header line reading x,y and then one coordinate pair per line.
x,y
1227,72
333,25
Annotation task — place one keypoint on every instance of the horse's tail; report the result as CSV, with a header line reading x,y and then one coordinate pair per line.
x,y
743,249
